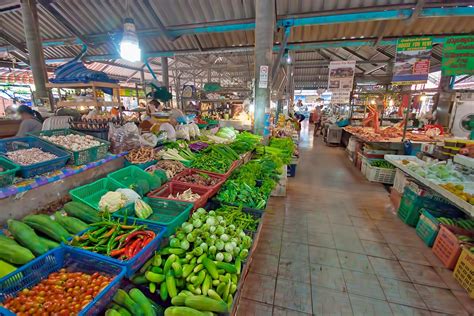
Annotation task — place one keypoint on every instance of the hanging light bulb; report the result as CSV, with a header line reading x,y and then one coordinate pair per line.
x,y
129,48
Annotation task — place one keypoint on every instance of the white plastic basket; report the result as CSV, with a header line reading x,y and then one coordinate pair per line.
x,y
400,181
382,175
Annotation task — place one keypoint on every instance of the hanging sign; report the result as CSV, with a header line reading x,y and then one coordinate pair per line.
x,y
458,56
341,79
263,77
412,63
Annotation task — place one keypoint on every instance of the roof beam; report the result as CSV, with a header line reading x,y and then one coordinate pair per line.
x,y
356,54
47,4
160,24
343,58
416,12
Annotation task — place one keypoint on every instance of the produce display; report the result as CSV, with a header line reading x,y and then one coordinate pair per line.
x,y
73,142
200,268
458,189
386,134
461,223
441,172
62,293
188,196
141,155
195,272
199,178
381,164
30,156
215,158
114,239
171,167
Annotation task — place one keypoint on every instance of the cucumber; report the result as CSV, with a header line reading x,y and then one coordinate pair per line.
x,y
26,236
123,299
182,311
142,302
82,211
71,224
45,225
204,303
163,292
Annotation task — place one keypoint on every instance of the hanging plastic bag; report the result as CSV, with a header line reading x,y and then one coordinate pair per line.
x,y
182,132
148,139
123,138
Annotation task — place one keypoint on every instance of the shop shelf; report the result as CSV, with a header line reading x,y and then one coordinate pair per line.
x,y
79,157
464,271
167,213
134,263
128,176
62,257
91,193
29,171
411,205
447,247
8,175
172,188
212,189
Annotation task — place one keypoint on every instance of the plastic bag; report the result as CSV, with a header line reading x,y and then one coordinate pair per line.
x,y
148,139
123,138
197,131
192,131
182,132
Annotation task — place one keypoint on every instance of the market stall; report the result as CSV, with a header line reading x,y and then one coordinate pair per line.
x,y
207,197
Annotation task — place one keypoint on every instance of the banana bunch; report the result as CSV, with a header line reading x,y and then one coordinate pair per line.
x,y
465,239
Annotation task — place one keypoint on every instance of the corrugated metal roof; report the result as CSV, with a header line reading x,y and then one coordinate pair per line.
x,y
92,18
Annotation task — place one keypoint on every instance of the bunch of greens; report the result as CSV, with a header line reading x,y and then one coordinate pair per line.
x,y
215,158
245,142
238,192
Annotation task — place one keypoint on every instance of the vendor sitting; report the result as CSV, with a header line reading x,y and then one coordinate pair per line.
x,y
169,128
31,121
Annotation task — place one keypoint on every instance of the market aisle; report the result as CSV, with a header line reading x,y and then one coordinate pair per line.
x,y
334,246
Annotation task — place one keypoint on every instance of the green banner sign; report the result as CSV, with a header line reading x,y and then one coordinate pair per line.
x,y
458,56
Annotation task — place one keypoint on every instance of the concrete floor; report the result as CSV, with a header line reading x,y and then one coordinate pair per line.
x,y
334,246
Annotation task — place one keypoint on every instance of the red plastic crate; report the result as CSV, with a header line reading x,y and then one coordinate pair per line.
x,y
212,189
172,188
447,247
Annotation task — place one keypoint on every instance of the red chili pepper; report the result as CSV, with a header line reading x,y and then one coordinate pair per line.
x,y
149,233
137,247
117,252
146,241
133,235
129,252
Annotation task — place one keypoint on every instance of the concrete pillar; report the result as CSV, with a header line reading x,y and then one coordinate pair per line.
x,y
264,28
165,73
35,50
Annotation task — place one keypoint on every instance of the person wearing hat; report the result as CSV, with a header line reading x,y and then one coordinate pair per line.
x,y
31,121
169,127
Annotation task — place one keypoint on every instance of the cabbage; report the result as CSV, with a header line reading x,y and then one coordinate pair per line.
x,y
130,195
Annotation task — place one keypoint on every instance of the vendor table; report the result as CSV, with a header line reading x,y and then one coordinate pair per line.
x,y
25,197
396,160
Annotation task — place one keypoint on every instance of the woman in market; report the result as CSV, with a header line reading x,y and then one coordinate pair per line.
x,y
31,120
169,127
153,107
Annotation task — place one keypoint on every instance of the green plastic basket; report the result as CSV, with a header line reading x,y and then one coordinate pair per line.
x,y
142,166
427,228
131,175
80,157
90,194
168,213
412,204
8,175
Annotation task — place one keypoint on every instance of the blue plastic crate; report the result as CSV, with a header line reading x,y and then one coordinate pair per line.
x,y
40,268
16,143
140,258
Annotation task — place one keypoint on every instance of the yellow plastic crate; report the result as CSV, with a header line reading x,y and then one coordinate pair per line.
x,y
464,271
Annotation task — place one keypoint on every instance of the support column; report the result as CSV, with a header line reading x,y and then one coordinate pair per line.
x,y
164,71
35,50
264,28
